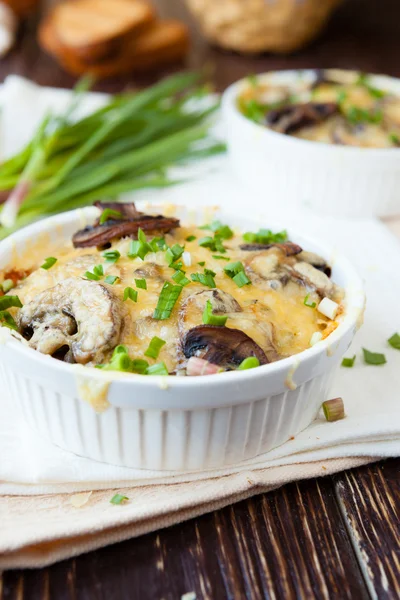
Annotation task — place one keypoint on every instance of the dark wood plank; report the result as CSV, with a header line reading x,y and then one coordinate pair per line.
x,y
370,501
291,543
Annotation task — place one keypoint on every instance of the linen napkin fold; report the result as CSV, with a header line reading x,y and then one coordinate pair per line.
x,y
37,477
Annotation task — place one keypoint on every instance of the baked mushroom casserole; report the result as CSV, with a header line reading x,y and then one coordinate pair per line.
x,y
142,293
335,107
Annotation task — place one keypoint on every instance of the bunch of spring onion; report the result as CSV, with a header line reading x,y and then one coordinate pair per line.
x,y
127,145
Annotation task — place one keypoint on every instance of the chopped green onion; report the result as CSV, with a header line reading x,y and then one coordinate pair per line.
x,y
7,285
166,301
96,274
207,242
235,270
202,263
373,358
141,283
333,409
157,244
119,499
222,231
157,369
249,363
341,97
349,362
108,214
180,278
204,278
394,341
177,266
394,138
10,302
140,247
111,256
217,257
265,236
174,253
119,362
209,318
190,238
139,366
120,349
252,79
111,279
48,263
131,294
309,303
155,346
356,115
6,320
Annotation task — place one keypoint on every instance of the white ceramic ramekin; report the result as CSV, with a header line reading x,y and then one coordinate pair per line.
x,y
173,423
292,173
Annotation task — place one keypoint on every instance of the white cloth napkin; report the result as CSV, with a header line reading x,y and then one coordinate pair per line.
x,y
32,465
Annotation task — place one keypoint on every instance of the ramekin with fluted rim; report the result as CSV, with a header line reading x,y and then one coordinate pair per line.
x,y
290,172
172,423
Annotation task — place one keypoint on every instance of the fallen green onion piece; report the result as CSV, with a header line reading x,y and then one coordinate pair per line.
x,y
155,346
141,284
308,303
111,279
190,238
373,358
119,499
10,302
109,214
166,301
180,278
131,294
394,341
204,278
157,369
349,362
6,320
209,318
249,363
48,263
7,285
333,409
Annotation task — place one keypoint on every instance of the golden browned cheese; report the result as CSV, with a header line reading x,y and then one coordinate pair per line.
x,y
366,116
266,312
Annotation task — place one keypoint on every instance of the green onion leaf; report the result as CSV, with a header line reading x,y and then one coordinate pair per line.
x,y
111,279
308,302
166,301
209,318
10,302
249,363
265,236
109,214
7,285
157,369
118,499
349,362
48,263
180,278
217,257
190,238
204,278
131,294
394,341
6,320
111,256
141,283
155,346
373,358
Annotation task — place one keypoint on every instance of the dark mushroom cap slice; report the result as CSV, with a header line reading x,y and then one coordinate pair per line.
x,y
288,248
221,346
290,119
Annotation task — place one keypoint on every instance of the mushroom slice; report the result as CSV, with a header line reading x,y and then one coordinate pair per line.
x,y
191,309
221,346
316,261
264,269
293,117
288,248
84,317
314,279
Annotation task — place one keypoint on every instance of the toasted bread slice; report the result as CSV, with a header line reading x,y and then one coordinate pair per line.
x,y
163,43
94,29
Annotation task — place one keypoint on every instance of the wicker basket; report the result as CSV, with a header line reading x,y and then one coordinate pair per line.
x,y
252,26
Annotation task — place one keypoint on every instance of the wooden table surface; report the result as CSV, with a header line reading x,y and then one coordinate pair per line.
x,y
333,537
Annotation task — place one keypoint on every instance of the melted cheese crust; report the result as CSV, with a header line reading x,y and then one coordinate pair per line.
x,y
280,312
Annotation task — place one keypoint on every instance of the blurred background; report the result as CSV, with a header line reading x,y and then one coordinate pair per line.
x,y
53,42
